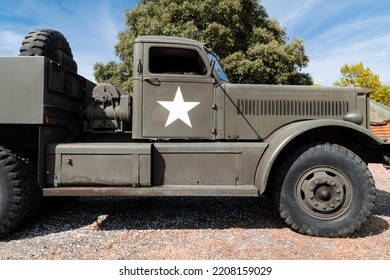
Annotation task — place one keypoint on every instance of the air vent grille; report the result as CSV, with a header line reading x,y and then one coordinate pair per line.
x,y
291,107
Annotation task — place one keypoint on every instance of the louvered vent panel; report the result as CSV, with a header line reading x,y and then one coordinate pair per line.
x,y
291,107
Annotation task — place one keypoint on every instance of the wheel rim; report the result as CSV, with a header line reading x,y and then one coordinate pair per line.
x,y
324,192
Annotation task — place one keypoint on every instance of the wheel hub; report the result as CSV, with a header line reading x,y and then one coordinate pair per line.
x,y
323,192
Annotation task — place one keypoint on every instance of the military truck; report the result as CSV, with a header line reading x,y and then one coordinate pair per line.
x,y
184,130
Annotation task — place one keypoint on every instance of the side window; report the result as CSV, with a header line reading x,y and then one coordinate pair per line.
x,y
164,60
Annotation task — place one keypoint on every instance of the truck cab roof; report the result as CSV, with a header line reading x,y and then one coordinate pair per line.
x,y
168,40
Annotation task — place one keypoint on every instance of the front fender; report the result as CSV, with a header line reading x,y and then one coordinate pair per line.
x,y
279,139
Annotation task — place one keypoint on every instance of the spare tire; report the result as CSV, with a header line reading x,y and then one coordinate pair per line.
x,y
49,43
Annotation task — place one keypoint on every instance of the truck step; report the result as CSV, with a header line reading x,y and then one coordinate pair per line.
x,y
163,190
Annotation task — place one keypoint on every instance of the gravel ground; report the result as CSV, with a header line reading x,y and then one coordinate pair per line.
x,y
188,228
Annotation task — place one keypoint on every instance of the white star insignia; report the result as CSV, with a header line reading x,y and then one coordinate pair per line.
x,y
178,109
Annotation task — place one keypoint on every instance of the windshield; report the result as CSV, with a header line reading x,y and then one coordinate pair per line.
x,y
217,65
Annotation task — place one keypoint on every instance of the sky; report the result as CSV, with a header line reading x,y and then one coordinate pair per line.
x,y
334,32
338,32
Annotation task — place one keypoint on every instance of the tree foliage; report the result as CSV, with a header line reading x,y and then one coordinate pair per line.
x,y
382,95
357,75
252,47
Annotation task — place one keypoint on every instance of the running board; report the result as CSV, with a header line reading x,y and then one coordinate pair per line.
x,y
163,190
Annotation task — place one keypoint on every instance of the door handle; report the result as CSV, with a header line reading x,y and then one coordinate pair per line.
x,y
153,81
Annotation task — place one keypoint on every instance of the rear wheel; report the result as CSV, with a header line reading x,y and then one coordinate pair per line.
x,y
49,43
324,190
19,194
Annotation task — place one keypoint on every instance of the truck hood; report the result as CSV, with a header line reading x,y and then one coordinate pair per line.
x,y
255,111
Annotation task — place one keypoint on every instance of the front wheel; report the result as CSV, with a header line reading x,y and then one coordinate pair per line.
x,y
324,190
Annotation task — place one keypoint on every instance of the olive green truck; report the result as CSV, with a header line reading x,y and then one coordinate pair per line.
x,y
184,130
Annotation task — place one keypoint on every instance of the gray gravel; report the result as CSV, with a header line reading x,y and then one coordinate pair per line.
x,y
186,228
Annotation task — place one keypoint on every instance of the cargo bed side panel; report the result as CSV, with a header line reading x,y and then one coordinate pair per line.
x,y
21,90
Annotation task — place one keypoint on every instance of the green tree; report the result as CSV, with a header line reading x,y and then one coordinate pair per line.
x,y
357,75
252,47
382,95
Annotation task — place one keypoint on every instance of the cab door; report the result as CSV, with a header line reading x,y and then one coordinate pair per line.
x,y
178,93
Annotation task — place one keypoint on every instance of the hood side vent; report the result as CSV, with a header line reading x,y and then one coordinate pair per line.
x,y
291,107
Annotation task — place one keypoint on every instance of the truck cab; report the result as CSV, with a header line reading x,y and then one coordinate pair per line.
x,y
175,87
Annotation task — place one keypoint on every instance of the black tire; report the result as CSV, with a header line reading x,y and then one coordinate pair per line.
x,y
49,43
324,190
19,195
